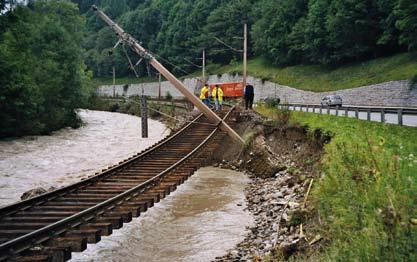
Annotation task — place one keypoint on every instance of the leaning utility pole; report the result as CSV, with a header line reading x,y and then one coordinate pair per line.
x,y
137,48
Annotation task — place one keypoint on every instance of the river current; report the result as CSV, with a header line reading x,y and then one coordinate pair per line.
x,y
202,219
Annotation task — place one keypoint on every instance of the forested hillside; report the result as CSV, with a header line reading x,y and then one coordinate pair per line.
x,y
42,74
49,48
286,32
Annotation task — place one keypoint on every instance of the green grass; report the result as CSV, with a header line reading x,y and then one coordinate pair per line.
x,y
367,192
318,78
122,81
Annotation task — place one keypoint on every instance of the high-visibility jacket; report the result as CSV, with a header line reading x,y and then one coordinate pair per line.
x,y
204,93
217,93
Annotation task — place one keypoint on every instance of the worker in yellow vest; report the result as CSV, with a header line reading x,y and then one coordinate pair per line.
x,y
205,95
217,94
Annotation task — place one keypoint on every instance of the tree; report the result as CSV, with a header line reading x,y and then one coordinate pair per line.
x,y
406,11
272,31
43,76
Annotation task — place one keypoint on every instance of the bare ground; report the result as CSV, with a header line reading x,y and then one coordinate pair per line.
x,y
281,161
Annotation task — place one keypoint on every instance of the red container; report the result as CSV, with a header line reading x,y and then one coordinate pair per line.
x,y
230,89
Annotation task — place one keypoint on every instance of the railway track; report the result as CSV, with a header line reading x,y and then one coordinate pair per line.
x,y
52,226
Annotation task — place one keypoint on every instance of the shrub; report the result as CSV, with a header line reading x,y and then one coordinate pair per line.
x,y
168,96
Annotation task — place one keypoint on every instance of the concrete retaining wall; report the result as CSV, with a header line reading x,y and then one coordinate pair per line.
x,y
394,93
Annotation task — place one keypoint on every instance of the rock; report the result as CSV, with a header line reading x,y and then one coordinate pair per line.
x,y
288,248
234,253
35,192
293,205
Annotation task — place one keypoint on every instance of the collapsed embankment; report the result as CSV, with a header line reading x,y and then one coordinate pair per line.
x,y
281,161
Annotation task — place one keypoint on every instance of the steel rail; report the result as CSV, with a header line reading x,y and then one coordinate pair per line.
x,y
55,229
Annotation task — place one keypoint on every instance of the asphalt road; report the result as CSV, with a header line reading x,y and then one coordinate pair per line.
x,y
408,120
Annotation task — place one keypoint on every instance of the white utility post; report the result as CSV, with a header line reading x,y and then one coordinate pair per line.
x,y
204,67
245,53
159,86
137,48
114,78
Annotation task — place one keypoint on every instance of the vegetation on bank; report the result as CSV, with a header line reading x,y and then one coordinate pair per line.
x,y
365,196
167,111
122,81
42,74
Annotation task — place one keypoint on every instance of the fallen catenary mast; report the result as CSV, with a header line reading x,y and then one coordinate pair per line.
x,y
137,48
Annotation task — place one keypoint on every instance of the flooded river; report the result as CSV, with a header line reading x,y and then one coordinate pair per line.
x,y
202,219
71,154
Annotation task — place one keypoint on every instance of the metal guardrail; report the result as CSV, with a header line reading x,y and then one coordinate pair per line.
x,y
343,110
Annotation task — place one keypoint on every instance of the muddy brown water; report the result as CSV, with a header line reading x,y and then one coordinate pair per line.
x,y
202,219
71,154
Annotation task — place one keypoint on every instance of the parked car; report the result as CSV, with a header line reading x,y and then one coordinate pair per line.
x,y
331,100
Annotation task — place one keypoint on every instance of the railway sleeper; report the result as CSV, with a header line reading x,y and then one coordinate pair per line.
x,y
58,207
125,215
93,235
38,213
115,221
134,210
163,192
55,254
102,191
29,219
105,228
75,243
33,258
22,225
13,233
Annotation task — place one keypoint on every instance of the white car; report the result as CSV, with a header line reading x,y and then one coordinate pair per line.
x,y
331,100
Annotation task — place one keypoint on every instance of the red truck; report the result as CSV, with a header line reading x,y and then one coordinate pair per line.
x,y
230,89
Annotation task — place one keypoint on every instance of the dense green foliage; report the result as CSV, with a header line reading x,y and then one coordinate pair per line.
x,y
42,78
365,196
285,32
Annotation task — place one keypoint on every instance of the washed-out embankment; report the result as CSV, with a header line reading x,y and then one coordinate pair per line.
x,y
281,160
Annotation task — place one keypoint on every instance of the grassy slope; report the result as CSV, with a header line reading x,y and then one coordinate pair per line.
x,y
319,79
313,77
367,192
123,80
